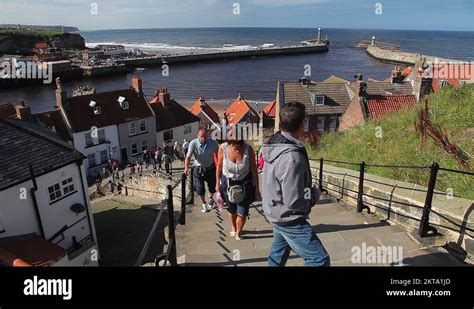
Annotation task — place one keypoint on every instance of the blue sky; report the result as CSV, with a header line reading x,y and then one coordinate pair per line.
x,y
121,14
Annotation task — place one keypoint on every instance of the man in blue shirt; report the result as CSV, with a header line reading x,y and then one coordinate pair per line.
x,y
204,149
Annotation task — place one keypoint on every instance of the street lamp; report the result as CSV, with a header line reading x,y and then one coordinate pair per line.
x,y
110,159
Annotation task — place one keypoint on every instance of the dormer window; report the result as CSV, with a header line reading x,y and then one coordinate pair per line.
x,y
318,99
97,110
123,103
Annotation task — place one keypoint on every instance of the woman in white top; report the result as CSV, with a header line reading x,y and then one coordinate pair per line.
x,y
236,167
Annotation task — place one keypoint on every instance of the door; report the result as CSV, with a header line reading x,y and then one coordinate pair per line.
x,y
124,155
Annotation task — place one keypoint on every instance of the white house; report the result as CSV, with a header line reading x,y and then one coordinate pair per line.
x,y
115,125
174,123
45,213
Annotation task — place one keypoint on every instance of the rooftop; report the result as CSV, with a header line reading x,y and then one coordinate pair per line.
x,y
381,105
81,115
170,114
238,109
24,144
202,107
29,250
337,96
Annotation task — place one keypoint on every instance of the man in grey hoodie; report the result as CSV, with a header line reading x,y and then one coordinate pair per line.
x,y
288,194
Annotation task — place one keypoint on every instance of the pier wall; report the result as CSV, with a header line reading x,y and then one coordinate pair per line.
x,y
143,62
403,58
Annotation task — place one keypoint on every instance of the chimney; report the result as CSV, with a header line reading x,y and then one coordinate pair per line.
x,y
61,95
164,96
203,101
319,34
137,84
23,112
396,75
305,81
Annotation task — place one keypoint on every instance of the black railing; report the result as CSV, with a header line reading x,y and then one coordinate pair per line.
x,y
425,229
170,255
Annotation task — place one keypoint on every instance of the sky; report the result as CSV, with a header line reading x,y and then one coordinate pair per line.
x,y
456,15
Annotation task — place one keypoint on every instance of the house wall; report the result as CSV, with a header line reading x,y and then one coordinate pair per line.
x,y
353,116
313,122
111,134
126,140
178,134
19,215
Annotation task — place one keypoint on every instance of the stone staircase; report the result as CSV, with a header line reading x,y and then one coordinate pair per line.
x,y
204,241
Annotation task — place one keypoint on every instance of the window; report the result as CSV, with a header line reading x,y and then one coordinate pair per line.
x,y
144,145
318,99
97,110
68,186
321,124
187,130
89,141
134,149
101,135
61,189
168,135
91,159
54,192
132,127
104,158
125,105
306,124
333,124
142,126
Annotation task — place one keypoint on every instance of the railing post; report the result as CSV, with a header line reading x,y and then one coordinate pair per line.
x,y
360,195
425,228
171,227
182,217
191,186
321,168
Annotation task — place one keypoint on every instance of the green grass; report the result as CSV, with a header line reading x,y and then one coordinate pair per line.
x,y
452,109
31,32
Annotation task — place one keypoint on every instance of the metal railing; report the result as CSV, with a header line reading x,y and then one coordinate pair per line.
x,y
170,255
425,229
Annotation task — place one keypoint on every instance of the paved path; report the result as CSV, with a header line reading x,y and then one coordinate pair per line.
x,y
205,242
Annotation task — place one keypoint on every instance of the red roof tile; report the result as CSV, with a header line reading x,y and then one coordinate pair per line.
x,y
270,109
381,105
198,107
31,249
7,110
237,110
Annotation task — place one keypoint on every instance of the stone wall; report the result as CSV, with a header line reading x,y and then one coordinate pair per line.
x,y
451,216
404,58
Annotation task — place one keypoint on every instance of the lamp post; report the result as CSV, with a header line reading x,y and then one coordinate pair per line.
x,y
110,159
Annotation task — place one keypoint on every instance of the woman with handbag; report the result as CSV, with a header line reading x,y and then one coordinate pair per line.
x,y
237,182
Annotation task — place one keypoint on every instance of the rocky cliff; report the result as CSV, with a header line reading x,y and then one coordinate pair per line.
x,y
22,42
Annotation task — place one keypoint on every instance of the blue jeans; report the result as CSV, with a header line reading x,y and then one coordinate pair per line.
x,y
303,240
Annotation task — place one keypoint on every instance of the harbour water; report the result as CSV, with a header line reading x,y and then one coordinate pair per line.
x,y
254,78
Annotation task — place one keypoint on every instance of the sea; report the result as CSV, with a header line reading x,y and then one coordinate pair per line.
x,y
254,78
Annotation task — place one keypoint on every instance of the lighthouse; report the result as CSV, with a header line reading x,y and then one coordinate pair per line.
x,y
319,35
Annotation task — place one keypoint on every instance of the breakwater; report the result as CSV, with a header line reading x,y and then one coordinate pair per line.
x,y
403,58
275,51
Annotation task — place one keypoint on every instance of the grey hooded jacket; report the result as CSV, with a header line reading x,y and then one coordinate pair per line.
x,y
288,194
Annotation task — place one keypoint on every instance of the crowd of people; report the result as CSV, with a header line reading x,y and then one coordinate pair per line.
x,y
230,170
160,158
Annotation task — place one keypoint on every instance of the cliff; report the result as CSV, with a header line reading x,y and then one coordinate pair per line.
x,y
22,42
